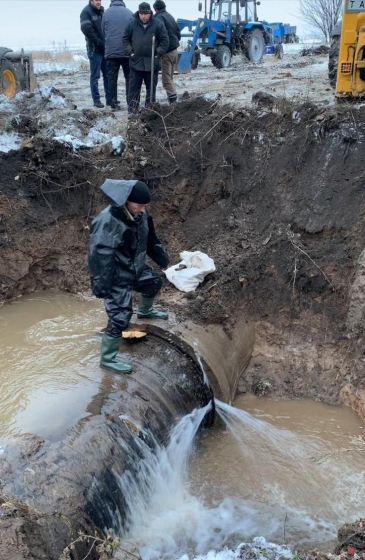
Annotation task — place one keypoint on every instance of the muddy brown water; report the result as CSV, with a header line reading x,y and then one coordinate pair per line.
x,y
297,481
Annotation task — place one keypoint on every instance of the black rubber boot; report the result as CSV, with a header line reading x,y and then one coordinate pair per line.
x,y
109,350
145,309
172,98
98,104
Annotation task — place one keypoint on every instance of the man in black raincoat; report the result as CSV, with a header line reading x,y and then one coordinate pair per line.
x,y
120,238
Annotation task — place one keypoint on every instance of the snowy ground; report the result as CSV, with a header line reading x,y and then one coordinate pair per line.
x,y
293,76
67,116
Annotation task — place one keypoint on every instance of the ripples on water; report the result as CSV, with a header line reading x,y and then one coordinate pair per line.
x,y
49,363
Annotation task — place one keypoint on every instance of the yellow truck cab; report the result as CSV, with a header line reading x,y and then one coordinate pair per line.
x,y
346,67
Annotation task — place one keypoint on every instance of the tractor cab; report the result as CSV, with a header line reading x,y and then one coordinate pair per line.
x,y
233,11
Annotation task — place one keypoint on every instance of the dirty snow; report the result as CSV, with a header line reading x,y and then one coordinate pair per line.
x,y
65,111
9,141
259,549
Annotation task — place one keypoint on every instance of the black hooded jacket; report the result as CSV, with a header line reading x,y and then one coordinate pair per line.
x,y
172,29
119,244
137,42
90,24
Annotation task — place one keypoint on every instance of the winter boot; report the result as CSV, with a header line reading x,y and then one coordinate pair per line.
x,y
172,98
98,104
109,349
145,309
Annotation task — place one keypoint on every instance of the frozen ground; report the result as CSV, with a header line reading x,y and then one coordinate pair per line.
x,y
293,76
65,110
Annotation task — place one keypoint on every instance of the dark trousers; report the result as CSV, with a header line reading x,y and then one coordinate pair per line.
x,y
118,304
97,65
136,79
112,67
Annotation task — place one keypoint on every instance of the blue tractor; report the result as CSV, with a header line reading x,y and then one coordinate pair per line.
x,y
224,33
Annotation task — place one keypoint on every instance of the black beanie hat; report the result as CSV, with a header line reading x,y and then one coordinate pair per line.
x,y
144,8
140,194
159,5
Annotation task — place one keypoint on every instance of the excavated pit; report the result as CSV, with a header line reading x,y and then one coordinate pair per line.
x,y
274,195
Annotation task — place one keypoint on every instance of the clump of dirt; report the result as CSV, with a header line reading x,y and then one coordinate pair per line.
x,y
318,50
351,538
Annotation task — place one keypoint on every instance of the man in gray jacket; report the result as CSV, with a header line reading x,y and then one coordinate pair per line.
x,y
115,20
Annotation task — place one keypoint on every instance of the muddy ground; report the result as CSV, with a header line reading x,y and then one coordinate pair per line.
x,y
273,191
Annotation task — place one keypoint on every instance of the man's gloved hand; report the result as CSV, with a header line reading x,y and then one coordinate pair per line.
x,y
100,47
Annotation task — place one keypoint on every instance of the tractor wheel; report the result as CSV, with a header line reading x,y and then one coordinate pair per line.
x,y
255,45
333,60
222,58
10,81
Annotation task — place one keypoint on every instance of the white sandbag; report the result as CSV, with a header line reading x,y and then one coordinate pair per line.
x,y
191,271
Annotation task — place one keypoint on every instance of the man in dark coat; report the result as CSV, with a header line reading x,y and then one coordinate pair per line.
x,y
90,23
169,59
137,43
120,238
114,23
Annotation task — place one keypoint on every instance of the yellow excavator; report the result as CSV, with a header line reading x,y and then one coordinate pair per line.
x,y
16,72
346,66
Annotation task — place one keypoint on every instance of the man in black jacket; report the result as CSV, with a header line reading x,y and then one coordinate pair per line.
x,y
90,23
120,238
114,23
169,59
138,44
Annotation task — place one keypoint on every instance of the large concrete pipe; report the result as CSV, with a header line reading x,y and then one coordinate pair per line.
x,y
72,483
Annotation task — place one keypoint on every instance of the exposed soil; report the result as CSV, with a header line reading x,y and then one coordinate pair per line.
x,y
273,193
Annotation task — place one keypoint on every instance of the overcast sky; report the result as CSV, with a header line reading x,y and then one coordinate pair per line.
x,y
46,22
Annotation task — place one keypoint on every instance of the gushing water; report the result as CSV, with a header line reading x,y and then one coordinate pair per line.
x,y
274,487
154,486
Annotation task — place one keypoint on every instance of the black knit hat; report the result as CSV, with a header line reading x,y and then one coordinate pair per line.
x,y
159,5
144,8
140,194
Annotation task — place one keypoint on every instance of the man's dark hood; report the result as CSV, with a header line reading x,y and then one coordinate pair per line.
x,y
117,191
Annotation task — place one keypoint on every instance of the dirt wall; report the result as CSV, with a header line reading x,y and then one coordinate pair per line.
x,y
275,195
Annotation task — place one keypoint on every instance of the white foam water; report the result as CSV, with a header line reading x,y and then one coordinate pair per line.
x,y
173,515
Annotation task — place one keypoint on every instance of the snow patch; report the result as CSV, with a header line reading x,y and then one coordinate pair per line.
x,y
259,549
9,141
6,105
94,138
48,94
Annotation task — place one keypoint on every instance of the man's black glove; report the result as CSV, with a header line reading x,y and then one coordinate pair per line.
x,y
100,48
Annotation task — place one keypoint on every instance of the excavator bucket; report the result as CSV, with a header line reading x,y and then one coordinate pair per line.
x,y
16,72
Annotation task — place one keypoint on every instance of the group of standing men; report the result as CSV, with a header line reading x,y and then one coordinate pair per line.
x,y
137,43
